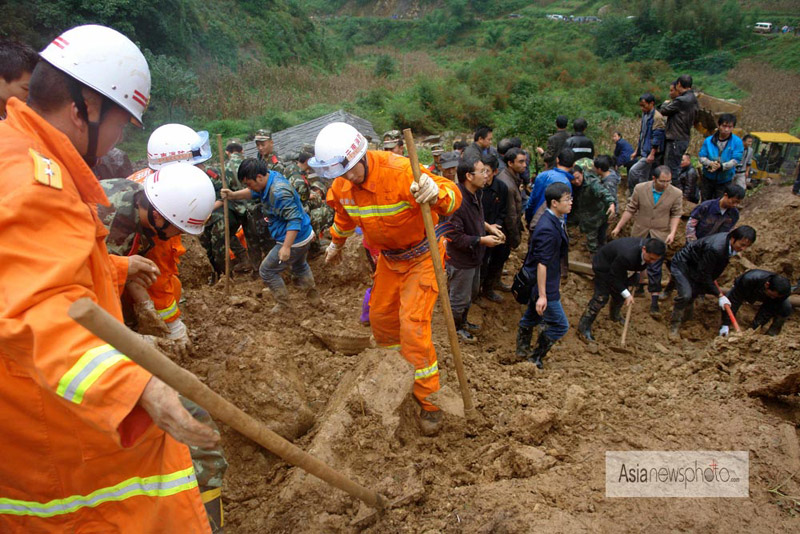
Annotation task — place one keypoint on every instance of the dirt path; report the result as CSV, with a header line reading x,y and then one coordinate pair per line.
x,y
539,466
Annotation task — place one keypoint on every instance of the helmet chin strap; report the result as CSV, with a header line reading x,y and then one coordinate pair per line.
x,y
159,230
75,88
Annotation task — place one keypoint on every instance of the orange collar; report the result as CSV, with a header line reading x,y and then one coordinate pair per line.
x,y
54,144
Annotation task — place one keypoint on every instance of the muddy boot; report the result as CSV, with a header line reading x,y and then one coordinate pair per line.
x,y
212,501
585,325
688,313
501,286
542,348
639,290
492,296
654,311
462,332
615,312
675,323
472,327
524,334
777,325
430,422
282,304
310,286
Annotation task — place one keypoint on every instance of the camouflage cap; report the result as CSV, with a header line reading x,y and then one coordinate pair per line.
x,y
587,164
263,135
448,160
437,150
391,138
308,149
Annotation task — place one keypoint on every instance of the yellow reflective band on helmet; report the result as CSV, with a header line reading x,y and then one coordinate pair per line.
x,y
342,233
377,210
452,195
87,370
155,486
169,312
426,372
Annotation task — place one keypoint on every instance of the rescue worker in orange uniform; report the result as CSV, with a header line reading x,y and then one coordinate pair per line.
x,y
376,191
157,311
91,441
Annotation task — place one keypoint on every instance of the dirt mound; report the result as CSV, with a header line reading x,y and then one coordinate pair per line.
x,y
538,461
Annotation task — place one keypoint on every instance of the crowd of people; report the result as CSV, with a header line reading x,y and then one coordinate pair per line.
x,y
109,440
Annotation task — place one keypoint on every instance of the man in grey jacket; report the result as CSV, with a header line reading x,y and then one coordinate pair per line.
x,y
680,113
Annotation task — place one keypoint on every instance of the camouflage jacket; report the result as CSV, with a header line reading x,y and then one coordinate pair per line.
x,y
232,171
299,181
593,201
234,206
121,218
275,164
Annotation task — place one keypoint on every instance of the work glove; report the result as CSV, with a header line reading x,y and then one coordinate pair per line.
x,y
425,191
179,336
333,254
148,320
160,343
723,301
723,331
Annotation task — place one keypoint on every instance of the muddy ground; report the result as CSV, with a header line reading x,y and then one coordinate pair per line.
x,y
538,461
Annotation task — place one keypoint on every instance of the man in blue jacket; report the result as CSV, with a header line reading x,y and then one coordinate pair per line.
x,y
289,225
720,155
548,248
562,173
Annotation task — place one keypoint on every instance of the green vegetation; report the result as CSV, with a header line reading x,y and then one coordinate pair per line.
x,y
232,66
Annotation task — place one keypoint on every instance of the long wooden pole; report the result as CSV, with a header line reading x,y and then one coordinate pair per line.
x,y
625,328
441,280
221,151
102,324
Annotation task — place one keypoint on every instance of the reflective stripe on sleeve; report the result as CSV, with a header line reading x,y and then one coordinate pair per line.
x,y
87,370
452,196
342,233
169,312
154,486
386,210
426,372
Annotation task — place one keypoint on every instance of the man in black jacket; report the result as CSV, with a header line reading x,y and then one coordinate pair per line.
x,y
548,248
554,143
466,244
769,288
494,201
611,265
582,146
680,113
696,267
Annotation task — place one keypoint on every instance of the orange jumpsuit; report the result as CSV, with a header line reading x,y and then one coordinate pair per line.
x,y
78,453
165,292
405,290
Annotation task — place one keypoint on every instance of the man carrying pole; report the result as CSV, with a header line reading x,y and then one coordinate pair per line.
x,y
376,191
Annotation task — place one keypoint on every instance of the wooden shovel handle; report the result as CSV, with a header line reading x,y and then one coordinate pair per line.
x,y
106,327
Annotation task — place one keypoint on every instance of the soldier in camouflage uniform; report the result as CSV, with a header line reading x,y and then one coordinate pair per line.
x,y
266,147
436,166
594,203
127,234
393,142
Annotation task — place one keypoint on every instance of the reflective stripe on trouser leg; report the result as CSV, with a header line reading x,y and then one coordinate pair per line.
x,y
401,305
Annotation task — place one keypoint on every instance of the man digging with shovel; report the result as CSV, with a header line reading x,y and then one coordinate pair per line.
x,y
376,191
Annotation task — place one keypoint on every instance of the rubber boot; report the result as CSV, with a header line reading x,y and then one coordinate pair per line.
x,y
615,312
472,327
585,325
212,501
777,325
654,311
524,335
282,303
310,286
688,312
543,346
462,332
675,323
492,296
430,422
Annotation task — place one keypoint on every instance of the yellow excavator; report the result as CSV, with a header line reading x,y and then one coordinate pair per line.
x,y
775,154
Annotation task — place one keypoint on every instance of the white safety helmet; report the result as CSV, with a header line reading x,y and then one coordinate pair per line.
x,y
337,149
106,61
172,143
182,194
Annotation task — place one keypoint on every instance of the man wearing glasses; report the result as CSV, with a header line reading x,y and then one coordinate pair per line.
x,y
655,207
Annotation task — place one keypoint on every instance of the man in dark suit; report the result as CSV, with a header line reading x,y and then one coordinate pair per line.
x,y
548,248
696,267
611,265
770,289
